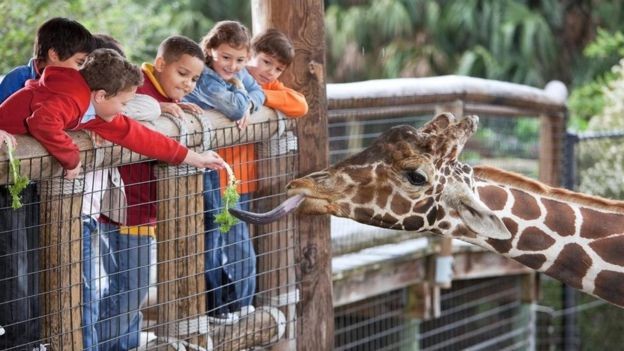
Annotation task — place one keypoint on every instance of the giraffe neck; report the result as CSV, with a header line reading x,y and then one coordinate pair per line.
x,y
575,238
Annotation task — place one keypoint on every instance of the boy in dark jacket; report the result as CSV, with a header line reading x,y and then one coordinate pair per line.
x,y
59,42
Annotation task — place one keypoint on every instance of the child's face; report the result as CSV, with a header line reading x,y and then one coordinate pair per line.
x,y
265,68
227,61
75,61
109,107
178,78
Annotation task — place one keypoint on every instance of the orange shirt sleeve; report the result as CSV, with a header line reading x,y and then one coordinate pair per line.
x,y
279,97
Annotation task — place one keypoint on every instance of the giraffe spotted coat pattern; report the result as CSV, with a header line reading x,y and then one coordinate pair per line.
x,y
410,179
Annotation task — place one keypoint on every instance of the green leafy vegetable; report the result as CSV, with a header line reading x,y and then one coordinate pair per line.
x,y
230,197
19,181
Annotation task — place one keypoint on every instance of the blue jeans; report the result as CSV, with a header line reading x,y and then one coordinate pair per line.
x,y
230,261
92,278
127,263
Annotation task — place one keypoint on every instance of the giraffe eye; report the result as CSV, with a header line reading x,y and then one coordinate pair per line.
x,y
415,177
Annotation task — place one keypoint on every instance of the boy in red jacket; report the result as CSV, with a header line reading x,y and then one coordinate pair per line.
x,y
66,99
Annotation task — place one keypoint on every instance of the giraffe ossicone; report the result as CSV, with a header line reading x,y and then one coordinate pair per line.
x,y
410,179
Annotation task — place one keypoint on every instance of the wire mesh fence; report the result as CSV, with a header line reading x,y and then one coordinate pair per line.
x,y
486,314
568,319
130,256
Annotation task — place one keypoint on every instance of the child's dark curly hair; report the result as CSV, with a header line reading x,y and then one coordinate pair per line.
x,y
106,70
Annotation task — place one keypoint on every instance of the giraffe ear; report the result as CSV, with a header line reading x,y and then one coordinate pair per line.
x,y
483,221
476,216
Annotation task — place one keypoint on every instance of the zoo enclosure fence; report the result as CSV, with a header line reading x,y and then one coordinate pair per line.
x,y
41,244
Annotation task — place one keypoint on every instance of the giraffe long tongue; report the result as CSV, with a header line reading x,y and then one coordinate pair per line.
x,y
263,218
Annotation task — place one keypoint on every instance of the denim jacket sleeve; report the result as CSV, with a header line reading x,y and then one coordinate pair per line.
x,y
212,92
256,94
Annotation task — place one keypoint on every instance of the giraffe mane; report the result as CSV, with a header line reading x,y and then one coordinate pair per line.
x,y
519,181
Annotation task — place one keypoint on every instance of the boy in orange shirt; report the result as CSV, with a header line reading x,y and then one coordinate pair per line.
x,y
272,53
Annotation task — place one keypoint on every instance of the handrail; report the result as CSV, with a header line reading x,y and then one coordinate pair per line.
x,y
210,130
435,90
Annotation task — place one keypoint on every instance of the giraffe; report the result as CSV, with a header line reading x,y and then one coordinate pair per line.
x,y
410,179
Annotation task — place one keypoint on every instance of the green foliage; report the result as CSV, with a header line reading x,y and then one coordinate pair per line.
x,y
497,39
230,197
587,99
139,25
19,181
602,161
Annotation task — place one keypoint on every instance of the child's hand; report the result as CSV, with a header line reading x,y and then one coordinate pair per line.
x,y
243,122
73,173
236,82
8,138
171,108
191,108
212,160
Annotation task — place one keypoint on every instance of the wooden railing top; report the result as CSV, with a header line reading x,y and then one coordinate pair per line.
x,y
211,130
402,91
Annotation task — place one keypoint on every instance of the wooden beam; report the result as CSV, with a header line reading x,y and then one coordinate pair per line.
x,y
551,140
303,22
180,250
61,251
197,132
358,276
378,278
485,264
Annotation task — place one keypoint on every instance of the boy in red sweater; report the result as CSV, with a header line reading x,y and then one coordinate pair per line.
x,y
178,64
66,99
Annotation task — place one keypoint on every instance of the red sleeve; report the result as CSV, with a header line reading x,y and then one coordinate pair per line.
x,y
47,124
133,135
290,102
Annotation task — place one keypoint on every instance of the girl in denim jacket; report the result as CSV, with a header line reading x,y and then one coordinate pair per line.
x,y
226,86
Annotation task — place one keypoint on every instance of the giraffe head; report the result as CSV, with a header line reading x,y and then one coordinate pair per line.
x,y
408,179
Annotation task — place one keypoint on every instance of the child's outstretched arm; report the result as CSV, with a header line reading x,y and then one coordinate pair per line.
x,y
131,134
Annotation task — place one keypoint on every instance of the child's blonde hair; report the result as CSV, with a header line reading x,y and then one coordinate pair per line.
x,y
233,33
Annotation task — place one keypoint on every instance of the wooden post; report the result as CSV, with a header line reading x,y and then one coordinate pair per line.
x,y
303,22
61,278
551,138
444,259
180,246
